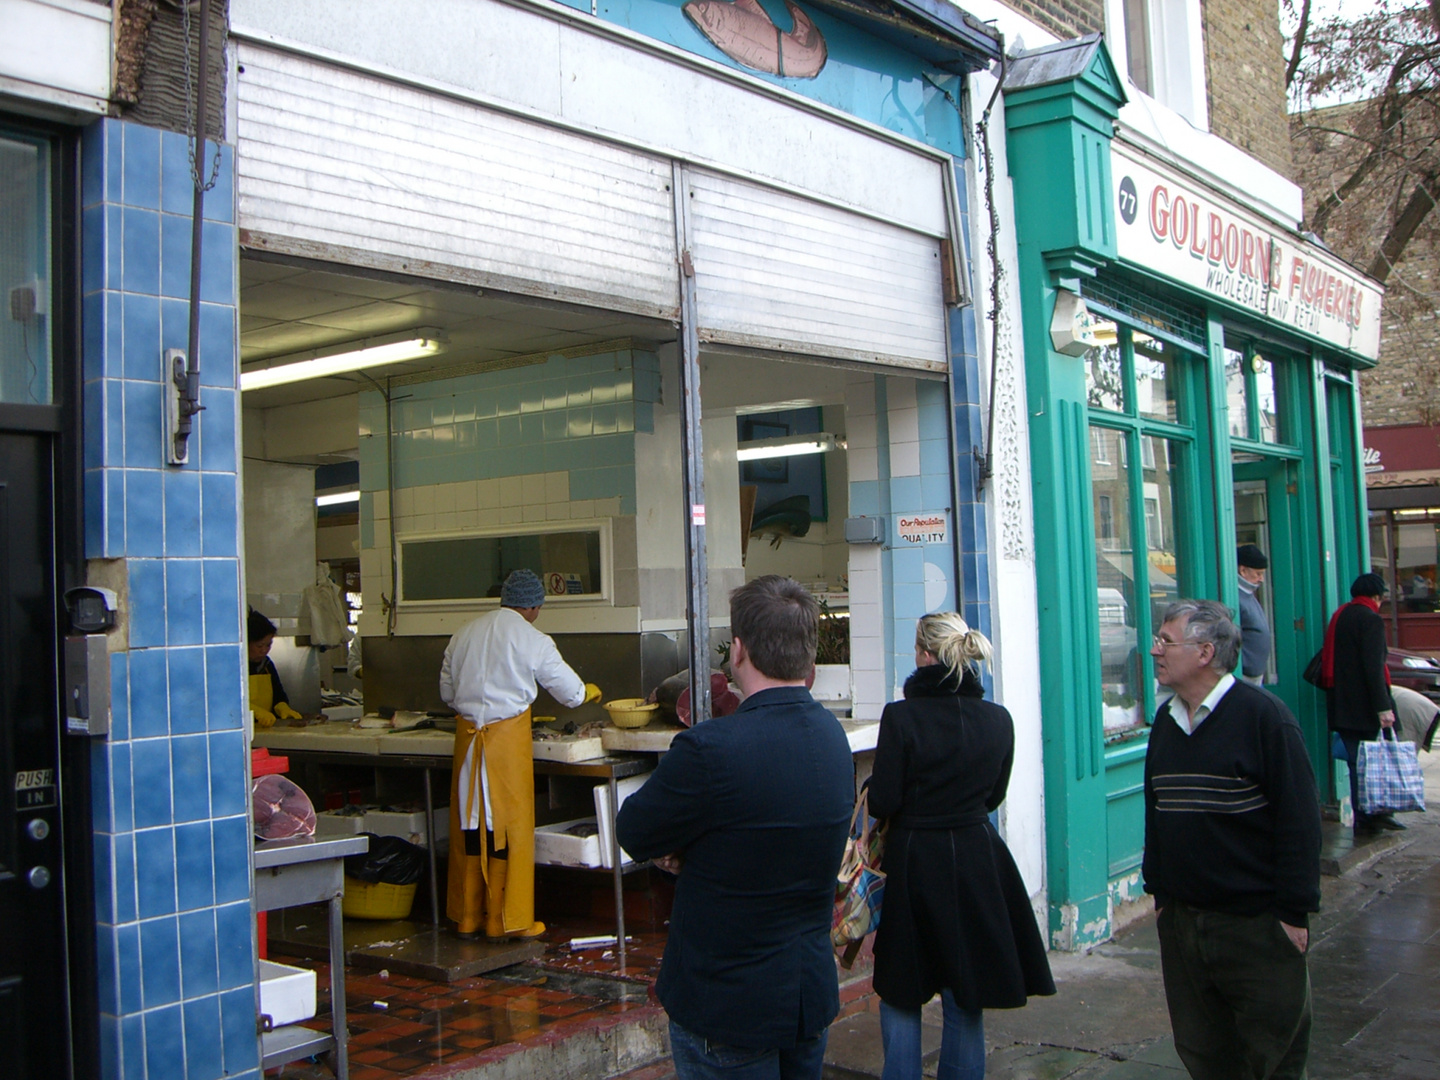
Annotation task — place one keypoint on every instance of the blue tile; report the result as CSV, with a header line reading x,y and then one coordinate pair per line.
x,y
107,969
907,601
141,351
217,345
507,431
160,961
907,566
219,514
103,863
155,871
175,257
149,682
174,324
190,764
217,263
203,1054
150,766
645,417
119,696
235,943
217,429
144,436
184,600
111,1056
935,458
114,246
122,787
232,859
905,495
177,189
147,618
93,402
94,486
142,166
625,417
554,426
140,251
220,199
605,417
532,428
92,250
222,601
127,956
194,863
228,793
935,491
237,1025
114,430
144,513
126,907
132,1036
165,1042
224,686
92,164
182,512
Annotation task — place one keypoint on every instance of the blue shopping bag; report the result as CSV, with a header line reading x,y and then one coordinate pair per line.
x,y
1388,776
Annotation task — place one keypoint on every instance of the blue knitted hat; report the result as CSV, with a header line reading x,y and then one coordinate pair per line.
x,y
522,589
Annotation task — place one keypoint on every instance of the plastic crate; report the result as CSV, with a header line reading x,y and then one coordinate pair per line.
x,y
363,900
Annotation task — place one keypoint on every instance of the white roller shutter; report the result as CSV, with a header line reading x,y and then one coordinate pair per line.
x,y
780,272
398,177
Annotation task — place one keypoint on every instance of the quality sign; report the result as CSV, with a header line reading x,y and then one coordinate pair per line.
x,y
1171,225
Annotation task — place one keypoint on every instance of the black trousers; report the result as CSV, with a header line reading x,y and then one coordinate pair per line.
x,y
1238,992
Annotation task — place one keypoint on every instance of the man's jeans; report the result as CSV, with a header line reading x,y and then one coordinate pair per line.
x,y
698,1058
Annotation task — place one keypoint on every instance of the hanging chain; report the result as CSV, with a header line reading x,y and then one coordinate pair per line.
x,y
190,111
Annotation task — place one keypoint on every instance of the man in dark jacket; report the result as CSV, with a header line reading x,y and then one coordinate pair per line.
x,y
1255,642
752,811
1358,702
1232,856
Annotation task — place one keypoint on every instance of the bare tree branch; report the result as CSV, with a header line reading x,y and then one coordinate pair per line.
x,y
1421,202
1295,57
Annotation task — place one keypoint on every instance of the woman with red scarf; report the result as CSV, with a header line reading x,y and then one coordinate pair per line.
x,y
1358,700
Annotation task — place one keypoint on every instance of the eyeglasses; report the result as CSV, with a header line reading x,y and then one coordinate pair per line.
x,y
1162,644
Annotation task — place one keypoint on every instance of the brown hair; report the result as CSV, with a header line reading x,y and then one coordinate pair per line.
x,y
778,622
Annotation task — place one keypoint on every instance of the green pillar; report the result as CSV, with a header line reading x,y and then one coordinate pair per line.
x,y
1060,106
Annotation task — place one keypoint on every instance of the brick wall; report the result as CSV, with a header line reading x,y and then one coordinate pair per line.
x,y
1245,78
1063,18
1405,387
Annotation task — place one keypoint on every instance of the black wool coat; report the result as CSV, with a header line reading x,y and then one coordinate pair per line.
x,y
1360,692
956,913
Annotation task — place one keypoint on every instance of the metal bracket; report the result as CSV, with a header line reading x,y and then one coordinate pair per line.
x,y
172,388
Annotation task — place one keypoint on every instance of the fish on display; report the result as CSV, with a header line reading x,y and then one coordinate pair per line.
x,y
789,517
744,31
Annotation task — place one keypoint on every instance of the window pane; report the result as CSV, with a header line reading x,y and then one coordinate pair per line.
x,y
1415,562
1265,399
1162,497
1137,43
1157,376
25,277
1235,394
1123,704
474,567
1104,376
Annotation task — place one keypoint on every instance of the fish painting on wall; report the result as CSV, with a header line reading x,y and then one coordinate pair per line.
x,y
744,31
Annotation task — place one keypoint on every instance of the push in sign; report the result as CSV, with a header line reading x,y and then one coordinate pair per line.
x,y
924,528
34,789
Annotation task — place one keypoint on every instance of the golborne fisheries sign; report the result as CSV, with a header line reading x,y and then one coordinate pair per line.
x,y
1173,226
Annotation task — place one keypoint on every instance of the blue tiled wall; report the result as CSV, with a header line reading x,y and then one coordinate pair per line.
x,y
176,937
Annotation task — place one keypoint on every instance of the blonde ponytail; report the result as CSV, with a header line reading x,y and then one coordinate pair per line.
x,y
950,640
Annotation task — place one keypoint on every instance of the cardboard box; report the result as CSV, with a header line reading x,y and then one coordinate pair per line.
x,y
625,788
555,847
287,994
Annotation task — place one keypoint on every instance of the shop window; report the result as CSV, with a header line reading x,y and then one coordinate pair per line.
x,y
26,275
465,569
1122,695
1252,395
1157,379
1160,43
1105,370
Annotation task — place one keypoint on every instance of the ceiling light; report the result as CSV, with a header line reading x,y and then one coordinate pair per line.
x,y
337,498
372,353
789,446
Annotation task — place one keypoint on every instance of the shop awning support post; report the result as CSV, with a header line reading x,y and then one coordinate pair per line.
x,y
697,607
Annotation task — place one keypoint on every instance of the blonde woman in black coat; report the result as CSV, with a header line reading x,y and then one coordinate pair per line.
x,y
956,919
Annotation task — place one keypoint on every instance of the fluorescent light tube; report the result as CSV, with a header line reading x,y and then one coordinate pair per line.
x,y
337,498
371,356
790,446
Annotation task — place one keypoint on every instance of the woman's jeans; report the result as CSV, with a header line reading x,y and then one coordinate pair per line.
x,y
962,1044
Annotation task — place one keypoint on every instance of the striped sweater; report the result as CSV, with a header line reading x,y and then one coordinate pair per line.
x,y
1232,815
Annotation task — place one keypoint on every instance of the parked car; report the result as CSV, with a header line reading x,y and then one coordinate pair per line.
x,y
1416,671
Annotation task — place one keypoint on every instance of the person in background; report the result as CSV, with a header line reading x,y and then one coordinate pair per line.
x,y
1416,717
752,809
1358,702
1255,637
489,677
267,694
1232,856
956,919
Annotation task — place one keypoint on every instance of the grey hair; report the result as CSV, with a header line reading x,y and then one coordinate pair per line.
x,y
1208,621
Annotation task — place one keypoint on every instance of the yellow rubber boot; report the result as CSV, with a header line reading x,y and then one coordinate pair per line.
x,y
499,870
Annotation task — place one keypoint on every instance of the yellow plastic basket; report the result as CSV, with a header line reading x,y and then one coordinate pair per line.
x,y
363,900
631,712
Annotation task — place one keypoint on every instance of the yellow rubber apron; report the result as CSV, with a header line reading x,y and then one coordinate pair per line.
x,y
502,749
262,698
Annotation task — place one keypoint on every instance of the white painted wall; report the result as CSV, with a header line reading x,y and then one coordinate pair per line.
x,y
310,431
279,538
56,54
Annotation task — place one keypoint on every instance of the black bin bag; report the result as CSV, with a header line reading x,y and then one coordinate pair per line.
x,y
390,860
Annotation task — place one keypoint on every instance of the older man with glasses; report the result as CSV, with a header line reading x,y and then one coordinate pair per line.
x,y
1232,855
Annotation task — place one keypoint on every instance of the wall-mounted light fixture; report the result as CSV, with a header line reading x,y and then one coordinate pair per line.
x,y
337,498
788,446
353,356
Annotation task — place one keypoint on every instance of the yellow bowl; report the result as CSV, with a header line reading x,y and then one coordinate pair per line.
x,y
631,712
376,900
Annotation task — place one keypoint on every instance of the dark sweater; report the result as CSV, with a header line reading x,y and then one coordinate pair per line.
x,y
1232,815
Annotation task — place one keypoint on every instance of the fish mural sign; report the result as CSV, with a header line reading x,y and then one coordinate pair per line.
x,y
745,32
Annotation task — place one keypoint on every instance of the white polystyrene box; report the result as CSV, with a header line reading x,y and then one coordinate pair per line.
x,y
409,826
328,823
624,788
555,847
287,994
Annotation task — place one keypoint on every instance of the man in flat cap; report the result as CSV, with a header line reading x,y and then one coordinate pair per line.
x,y
488,676
1254,626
